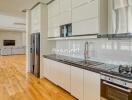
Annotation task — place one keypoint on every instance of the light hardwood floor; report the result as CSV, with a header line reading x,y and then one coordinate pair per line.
x,y
15,84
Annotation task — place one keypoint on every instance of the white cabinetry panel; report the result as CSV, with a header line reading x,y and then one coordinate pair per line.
x,y
65,12
87,11
65,5
65,18
89,16
76,3
53,9
77,82
35,19
91,85
58,73
85,27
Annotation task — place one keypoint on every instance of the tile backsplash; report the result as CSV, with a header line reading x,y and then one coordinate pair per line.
x,y
103,50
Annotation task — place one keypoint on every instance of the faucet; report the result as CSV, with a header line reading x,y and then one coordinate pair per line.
x,y
86,51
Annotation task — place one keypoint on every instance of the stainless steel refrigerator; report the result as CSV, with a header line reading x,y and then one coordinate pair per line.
x,y
35,54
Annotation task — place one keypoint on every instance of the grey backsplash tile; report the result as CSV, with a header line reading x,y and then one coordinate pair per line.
x,y
107,51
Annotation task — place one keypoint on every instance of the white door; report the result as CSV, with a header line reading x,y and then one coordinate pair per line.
x,y
91,85
46,68
63,76
77,82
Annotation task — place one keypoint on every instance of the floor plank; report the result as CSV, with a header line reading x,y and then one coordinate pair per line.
x,y
15,84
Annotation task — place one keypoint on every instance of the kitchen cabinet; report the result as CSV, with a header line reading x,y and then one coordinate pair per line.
x,y
91,85
65,12
76,3
59,13
53,9
35,19
85,27
58,73
65,5
77,82
63,76
90,16
65,18
46,68
50,70
53,27
81,83
53,19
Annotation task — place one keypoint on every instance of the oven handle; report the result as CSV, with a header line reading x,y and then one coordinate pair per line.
x,y
123,89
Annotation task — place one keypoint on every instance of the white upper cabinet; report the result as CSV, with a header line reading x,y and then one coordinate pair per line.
x,y
65,12
90,16
65,5
76,3
91,85
86,11
53,9
35,19
53,19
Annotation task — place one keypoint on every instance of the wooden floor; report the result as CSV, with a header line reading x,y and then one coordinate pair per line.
x,y
15,84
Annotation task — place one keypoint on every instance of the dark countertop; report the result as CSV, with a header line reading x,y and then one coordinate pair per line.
x,y
98,67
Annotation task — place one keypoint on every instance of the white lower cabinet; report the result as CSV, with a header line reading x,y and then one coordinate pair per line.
x,y
50,70
91,85
58,73
46,68
77,82
83,84
63,76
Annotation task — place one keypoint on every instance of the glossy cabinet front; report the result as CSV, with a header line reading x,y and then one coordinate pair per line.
x,y
82,84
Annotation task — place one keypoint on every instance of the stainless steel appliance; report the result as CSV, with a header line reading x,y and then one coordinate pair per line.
x,y
115,87
35,54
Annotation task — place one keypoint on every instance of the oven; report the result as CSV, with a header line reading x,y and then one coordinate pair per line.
x,y
113,88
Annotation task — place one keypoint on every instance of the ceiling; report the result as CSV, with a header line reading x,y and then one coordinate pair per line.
x,y
11,15
15,7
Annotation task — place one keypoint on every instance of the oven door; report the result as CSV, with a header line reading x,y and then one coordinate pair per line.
x,y
111,91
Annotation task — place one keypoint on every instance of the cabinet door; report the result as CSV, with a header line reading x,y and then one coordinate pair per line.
x,y
65,12
84,12
77,82
46,69
65,5
54,32
65,18
63,76
77,3
35,19
91,85
85,27
53,9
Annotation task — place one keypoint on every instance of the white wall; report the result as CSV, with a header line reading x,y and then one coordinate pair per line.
x,y
18,36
